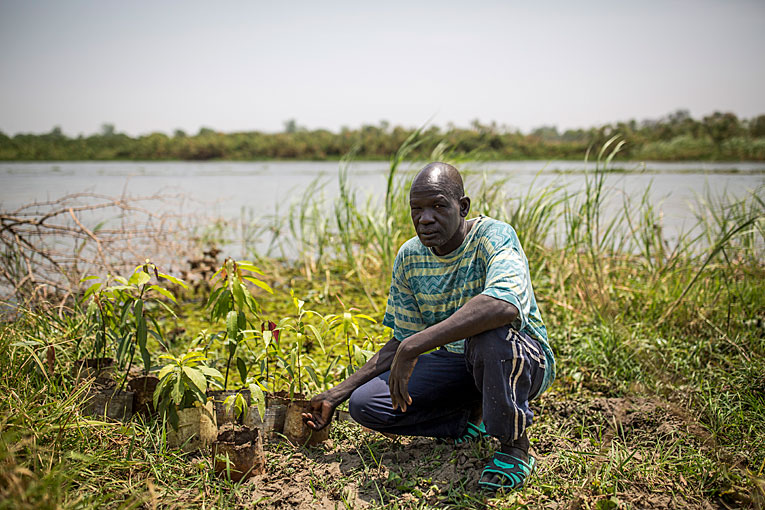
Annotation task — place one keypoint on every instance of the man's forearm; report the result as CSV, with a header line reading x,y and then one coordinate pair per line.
x,y
376,365
480,314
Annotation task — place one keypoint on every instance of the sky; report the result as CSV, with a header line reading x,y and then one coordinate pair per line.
x,y
147,66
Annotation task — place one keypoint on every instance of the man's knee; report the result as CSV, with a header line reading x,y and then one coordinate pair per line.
x,y
363,408
357,404
492,345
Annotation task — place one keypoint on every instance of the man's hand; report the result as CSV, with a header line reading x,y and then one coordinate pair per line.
x,y
400,372
321,408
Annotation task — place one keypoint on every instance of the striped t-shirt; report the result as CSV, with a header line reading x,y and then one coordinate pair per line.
x,y
427,289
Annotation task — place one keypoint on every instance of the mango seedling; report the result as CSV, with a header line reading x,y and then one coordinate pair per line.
x,y
231,300
183,382
299,328
241,406
344,325
120,310
270,333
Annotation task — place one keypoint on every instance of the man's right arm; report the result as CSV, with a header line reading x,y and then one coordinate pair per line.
x,y
322,406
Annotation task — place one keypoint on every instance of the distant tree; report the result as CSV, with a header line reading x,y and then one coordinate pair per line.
x,y
290,126
757,126
721,126
546,132
107,130
679,116
205,131
56,132
179,133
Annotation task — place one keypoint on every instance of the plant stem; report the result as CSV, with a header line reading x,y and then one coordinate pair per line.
x,y
348,346
228,364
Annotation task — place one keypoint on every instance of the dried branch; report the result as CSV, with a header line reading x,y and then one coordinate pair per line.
x,y
47,247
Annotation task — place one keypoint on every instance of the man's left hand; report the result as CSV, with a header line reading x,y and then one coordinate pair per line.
x,y
400,372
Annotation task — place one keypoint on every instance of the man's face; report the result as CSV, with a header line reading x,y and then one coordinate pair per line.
x,y
437,217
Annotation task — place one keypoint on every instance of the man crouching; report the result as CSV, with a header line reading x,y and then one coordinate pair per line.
x,y
463,288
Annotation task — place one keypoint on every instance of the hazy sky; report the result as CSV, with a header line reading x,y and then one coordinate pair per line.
x,y
157,66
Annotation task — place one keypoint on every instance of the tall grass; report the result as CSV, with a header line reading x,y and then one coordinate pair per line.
x,y
597,256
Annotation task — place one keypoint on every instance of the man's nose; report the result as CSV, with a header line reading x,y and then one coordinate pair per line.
x,y
426,217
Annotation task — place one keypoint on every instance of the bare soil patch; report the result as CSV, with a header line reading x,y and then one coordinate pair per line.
x,y
584,441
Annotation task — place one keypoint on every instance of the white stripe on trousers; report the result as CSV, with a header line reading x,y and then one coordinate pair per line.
x,y
519,361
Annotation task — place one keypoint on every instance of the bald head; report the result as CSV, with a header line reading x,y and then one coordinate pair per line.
x,y
439,207
442,176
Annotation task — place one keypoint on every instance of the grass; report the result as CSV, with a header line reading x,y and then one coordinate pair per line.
x,y
659,400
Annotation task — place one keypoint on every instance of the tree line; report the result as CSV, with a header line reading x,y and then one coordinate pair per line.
x,y
678,136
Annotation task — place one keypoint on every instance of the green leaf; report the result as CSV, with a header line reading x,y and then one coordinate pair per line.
x,y
238,295
177,393
169,310
268,335
242,367
197,378
160,389
222,306
332,364
367,317
138,309
164,371
263,285
193,356
123,344
89,277
228,402
241,407
216,273
251,303
93,288
358,356
164,292
259,399
139,278
173,417
232,325
316,333
249,266
173,279
313,375
210,372
214,296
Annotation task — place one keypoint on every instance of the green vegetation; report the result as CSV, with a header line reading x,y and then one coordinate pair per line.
x,y
660,346
676,137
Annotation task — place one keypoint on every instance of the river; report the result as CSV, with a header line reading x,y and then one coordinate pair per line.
x,y
227,189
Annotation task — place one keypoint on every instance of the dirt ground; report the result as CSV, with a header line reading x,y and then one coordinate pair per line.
x,y
601,453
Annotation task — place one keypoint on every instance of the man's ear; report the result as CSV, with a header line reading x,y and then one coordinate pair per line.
x,y
464,206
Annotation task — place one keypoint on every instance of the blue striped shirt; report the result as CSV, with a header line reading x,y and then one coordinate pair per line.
x,y
427,289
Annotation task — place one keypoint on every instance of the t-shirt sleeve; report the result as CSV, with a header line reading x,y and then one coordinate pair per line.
x,y
507,275
402,313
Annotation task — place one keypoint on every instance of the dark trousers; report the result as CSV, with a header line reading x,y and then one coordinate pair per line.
x,y
501,370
